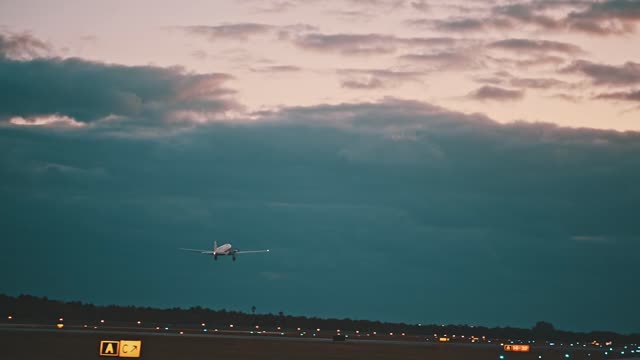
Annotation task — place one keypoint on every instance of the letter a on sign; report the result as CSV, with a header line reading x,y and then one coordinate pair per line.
x,y
109,348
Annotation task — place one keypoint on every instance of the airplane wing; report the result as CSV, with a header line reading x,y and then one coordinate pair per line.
x,y
198,251
252,251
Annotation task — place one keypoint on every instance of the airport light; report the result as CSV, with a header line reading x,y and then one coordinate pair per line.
x,y
298,329
318,329
9,317
501,357
231,325
203,324
139,322
257,326
279,328
101,321
566,356
61,319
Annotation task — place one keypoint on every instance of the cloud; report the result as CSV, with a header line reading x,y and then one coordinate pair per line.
x,y
367,44
568,97
461,24
277,7
536,46
505,78
420,5
526,14
610,17
277,69
352,15
461,59
537,83
529,60
601,74
244,31
239,31
378,4
48,120
23,46
363,84
41,90
375,78
348,44
488,92
620,95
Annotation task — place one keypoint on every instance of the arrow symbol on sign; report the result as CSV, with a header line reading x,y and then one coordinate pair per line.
x,y
124,348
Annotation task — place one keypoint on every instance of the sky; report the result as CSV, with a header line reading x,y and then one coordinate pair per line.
x,y
469,162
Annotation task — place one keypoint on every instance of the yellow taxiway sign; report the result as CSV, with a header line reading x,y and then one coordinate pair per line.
x,y
121,348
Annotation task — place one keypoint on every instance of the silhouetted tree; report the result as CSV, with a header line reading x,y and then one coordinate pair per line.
x,y
543,330
31,309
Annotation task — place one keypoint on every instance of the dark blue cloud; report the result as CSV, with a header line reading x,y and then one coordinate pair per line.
x,y
394,210
89,91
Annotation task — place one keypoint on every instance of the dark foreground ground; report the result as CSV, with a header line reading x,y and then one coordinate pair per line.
x,y
84,346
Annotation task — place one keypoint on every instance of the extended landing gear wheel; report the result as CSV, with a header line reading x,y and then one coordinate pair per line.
x,y
215,257
234,258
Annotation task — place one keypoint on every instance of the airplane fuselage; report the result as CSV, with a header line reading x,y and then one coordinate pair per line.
x,y
223,250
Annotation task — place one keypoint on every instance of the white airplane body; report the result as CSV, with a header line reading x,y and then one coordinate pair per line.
x,y
224,250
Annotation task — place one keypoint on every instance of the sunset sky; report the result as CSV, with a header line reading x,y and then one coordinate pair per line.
x,y
566,62
406,160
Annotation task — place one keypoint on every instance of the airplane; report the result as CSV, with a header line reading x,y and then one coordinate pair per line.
x,y
222,250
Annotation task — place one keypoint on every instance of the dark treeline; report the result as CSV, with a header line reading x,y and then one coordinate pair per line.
x,y
31,309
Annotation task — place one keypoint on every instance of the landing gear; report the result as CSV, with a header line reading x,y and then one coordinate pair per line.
x,y
215,257
234,258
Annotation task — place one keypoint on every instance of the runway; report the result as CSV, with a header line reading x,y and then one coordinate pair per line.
x,y
34,341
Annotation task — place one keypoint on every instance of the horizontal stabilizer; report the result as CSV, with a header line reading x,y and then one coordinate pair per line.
x,y
252,251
